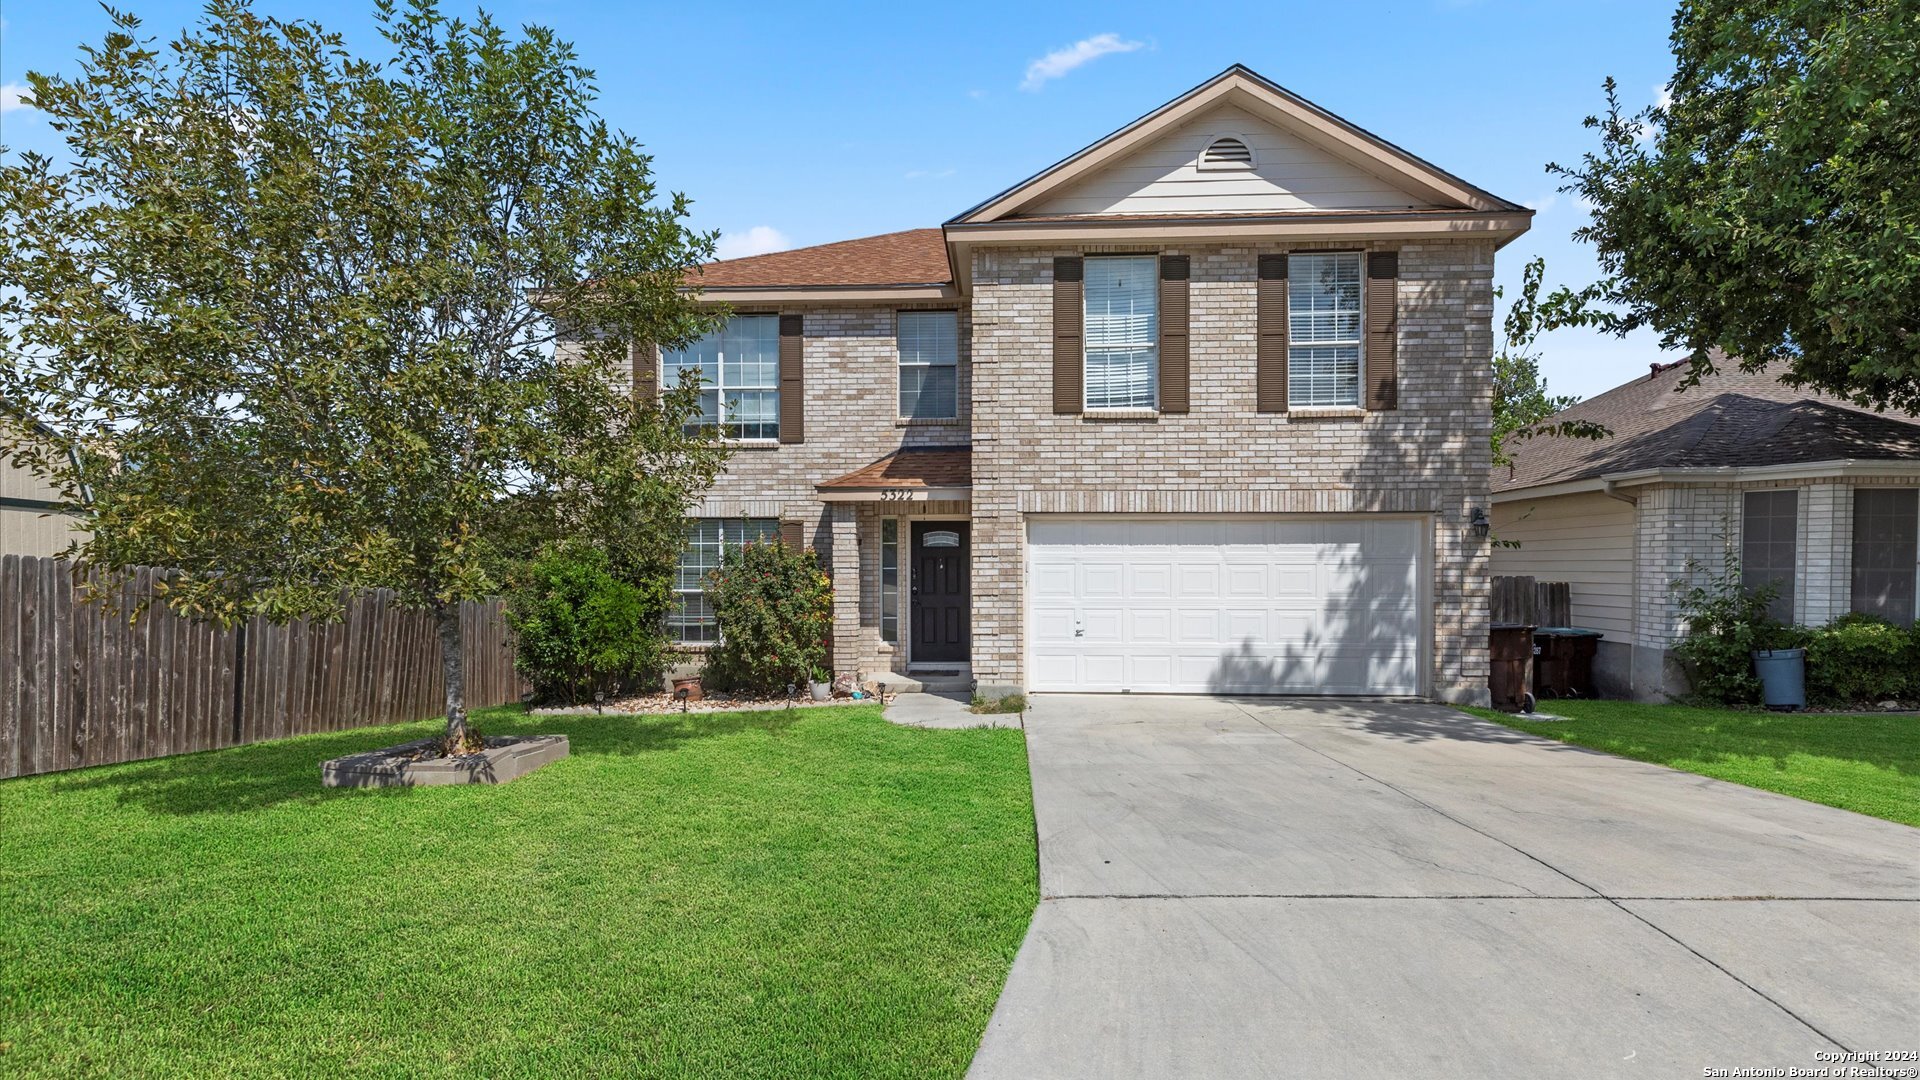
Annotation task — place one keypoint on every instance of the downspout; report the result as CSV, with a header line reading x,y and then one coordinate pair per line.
x,y
1611,489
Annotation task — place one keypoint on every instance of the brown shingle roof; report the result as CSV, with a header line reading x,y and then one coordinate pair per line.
x,y
914,257
910,467
1730,419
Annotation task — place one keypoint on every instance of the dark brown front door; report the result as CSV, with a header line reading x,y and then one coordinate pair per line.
x,y
940,608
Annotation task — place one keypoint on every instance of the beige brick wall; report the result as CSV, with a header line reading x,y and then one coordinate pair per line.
x,y
1430,456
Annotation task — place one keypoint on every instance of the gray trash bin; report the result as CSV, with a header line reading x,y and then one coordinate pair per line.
x,y
1783,678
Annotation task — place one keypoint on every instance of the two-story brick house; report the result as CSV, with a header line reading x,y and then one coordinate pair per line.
x,y
1202,408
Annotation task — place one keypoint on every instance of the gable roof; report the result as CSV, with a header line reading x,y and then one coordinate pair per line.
x,y
1732,419
1241,87
912,257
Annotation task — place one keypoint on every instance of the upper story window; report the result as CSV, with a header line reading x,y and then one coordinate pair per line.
x,y
739,370
929,344
1323,329
1122,332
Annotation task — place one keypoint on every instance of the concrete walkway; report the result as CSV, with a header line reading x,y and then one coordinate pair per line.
x,y
1267,888
944,711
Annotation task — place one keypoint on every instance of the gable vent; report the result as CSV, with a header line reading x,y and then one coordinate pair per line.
x,y
1227,152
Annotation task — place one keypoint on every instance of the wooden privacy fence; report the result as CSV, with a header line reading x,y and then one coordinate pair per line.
x,y
1538,603
81,685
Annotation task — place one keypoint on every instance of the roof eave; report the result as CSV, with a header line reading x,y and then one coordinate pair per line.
x,y
1836,468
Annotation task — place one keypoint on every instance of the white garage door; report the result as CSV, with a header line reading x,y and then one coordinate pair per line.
x,y
1225,606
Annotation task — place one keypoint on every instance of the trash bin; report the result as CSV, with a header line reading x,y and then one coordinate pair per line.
x,y
1508,677
1563,661
1783,678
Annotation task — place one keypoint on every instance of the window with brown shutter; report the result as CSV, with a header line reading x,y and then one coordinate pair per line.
x,y
1383,321
1068,351
793,396
1175,273
1270,357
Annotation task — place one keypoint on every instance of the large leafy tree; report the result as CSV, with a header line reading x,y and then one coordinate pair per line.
x,y
1522,407
320,322
1771,211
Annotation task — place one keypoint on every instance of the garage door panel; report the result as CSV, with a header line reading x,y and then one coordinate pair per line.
x,y
1226,605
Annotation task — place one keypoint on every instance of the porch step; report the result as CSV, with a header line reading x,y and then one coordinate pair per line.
x,y
895,682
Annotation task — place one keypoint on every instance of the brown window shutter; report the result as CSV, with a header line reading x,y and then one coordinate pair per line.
x,y
1383,321
1175,270
793,534
1270,319
646,372
793,389
1069,355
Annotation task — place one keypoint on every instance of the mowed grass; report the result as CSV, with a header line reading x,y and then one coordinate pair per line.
x,y
1867,764
779,894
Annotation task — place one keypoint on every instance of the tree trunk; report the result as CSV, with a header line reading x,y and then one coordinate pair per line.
x,y
453,666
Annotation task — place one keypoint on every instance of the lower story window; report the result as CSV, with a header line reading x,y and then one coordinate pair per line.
x,y
1886,552
890,581
691,621
1770,524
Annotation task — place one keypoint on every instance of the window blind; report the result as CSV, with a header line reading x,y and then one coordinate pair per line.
x,y
1122,332
929,343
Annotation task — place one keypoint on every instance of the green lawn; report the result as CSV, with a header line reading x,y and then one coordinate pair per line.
x,y
1868,764
815,893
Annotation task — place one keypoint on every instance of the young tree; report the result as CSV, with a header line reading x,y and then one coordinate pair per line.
x,y
1771,211
300,310
1522,408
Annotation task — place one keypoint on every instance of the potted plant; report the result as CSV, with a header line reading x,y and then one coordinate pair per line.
x,y
688,687
820,682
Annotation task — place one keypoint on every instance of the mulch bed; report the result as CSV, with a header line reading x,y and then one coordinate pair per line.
x,y
664,702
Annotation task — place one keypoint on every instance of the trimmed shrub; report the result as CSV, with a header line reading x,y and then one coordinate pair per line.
x,y
774,607
1861,660
580,628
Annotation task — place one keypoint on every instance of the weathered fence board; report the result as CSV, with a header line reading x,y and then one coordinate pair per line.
x,y
82,684
1521,599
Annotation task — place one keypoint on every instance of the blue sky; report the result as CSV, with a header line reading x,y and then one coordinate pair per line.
x,y
800,124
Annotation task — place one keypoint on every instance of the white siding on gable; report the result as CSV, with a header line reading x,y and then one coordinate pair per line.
x,y
1585,540
1288,173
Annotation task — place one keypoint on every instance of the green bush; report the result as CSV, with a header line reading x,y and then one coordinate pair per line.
x,y
1860,660
579,628
774,607
1726,622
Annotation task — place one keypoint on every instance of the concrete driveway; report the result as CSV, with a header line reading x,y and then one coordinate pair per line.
x,y
1275,888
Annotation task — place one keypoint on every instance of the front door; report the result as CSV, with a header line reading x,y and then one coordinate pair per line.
x,y
940,610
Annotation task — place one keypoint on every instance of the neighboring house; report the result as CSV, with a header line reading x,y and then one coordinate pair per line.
x,y
1203,407
1816,495
33,520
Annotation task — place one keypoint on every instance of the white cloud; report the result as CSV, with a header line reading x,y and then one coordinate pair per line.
x,y
929,174
1060,61
977,95
1663,95
1542,204
755,241
10,97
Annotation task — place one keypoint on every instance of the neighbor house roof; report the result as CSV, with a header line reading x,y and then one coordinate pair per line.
x,y
1732,419
913,257
917,470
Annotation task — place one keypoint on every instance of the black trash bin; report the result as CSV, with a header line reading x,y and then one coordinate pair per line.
x,y
1563,661
1509,675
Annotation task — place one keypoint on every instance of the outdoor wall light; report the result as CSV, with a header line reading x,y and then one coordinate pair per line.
x,y
1482,526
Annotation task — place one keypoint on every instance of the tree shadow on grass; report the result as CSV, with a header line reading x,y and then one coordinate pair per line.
x,y
260,776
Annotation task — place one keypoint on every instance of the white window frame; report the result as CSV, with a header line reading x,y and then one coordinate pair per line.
x,y
1152,346
891,591
729,532
1297,342
902,365
721,388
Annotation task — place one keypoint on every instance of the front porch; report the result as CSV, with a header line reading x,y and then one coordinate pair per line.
x,y
900,543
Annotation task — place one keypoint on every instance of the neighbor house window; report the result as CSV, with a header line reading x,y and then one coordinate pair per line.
x,y
1886,552
1768,546
708,539
890,581
1323,329
739,371
929,365
1123,332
